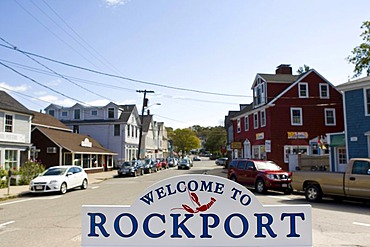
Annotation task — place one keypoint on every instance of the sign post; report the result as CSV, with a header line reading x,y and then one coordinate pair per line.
x,y
196,210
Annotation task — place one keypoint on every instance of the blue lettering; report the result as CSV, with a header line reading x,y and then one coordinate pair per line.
x,y
176,225
245,199
245,225
169,190
160,193
134,225
193,188
206,187
146,225
148,198
267,225
219,188
236,191
292,217
178,187
206,225
93,225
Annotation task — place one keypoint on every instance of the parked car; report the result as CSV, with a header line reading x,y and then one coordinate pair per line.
x,y
184,163
59,179
196,158
161,163
149,165
260,175
131,168
353,183
172,161
221,161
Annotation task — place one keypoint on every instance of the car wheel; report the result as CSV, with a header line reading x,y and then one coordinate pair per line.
x,y
313,193
233,178
84,184
260,186
63,188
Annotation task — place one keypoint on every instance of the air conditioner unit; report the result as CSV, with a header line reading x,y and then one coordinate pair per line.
x,y
51,150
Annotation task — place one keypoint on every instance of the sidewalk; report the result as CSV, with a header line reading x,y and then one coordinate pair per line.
x,y
16,191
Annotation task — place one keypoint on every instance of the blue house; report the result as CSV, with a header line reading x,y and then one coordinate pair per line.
x,y
356,102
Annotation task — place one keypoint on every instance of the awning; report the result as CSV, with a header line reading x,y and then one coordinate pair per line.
x,y
338,140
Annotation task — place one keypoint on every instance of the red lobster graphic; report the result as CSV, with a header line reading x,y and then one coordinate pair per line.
x,y
195,200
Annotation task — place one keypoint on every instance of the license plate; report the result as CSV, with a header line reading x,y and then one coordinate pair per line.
x,y
39,187
284,185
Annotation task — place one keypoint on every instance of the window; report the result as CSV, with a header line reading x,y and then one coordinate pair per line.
x,y
246,123
8,123
77,114
52,113
11,159
259,93
238,125
288,150
64,113
128,130
136,131
76,129
324,91
255,120
330,117
94,113
360,167
263,118
117,130
367,98
241,164
303,90
296,116
110,112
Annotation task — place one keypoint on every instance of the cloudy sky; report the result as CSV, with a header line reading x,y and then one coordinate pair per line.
x,y
199,57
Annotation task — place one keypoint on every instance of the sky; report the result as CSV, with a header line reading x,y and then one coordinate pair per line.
x,y
198,57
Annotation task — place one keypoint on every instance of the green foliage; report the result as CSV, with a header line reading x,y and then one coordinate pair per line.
x,y
360,56
216,139
29,170
304,69
3,183
184,140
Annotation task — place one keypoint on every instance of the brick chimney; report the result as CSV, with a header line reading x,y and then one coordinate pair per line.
x,y
284,69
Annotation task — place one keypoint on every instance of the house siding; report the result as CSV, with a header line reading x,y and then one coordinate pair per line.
x,y
357,124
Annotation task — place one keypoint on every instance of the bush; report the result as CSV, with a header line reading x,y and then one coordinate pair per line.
x,y
29,170
3,183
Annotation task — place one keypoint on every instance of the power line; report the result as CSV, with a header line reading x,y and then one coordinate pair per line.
x,y
119,77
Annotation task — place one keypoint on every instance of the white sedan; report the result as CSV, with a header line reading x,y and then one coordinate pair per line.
x,y
59,179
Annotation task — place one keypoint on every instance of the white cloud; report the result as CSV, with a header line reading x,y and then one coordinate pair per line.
x,y
21,88
56,100
116,2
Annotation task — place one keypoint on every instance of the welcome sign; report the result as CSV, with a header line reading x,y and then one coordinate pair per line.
x,y
196,210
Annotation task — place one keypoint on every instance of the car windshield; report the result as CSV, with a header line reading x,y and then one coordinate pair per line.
x,y
126,164
267,165
54,171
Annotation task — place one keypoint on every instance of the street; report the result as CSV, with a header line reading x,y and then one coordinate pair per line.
x,y
55,220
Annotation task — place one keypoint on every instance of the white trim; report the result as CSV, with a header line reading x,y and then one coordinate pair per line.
x,y
246,123
263,119
326,117
366,104
300,92
238,125
255,120
291,116
327,90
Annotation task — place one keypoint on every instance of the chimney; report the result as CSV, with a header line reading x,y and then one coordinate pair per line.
x,y
284,69
148,112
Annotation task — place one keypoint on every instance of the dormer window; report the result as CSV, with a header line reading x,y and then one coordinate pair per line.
x,y
52,113
77,114
110,112
324,91
259,93
303,90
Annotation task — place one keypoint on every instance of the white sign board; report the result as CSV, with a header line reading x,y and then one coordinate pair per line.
x,y
196,210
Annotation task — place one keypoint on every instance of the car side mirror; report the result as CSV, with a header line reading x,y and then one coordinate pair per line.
x,y
251,168
368,172
69,174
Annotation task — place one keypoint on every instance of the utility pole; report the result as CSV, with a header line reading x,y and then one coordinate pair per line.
x,y
145,104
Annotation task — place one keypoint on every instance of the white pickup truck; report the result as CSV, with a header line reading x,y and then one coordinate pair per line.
x,y
353,183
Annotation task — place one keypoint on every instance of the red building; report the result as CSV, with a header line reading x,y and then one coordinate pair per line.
x,y
289,114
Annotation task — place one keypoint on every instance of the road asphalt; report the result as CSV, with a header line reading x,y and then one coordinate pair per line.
x,y
16,191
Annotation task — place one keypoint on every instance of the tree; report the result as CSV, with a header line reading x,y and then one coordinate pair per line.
x,y
304,69
185,140
360,56
216,139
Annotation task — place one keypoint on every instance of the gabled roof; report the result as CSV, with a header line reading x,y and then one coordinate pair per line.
x,y
128,110
147,120
46,120
356,84
280,78
8,103
72,141
300,78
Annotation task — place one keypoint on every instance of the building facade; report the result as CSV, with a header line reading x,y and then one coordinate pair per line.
x,y
290,114
15,132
